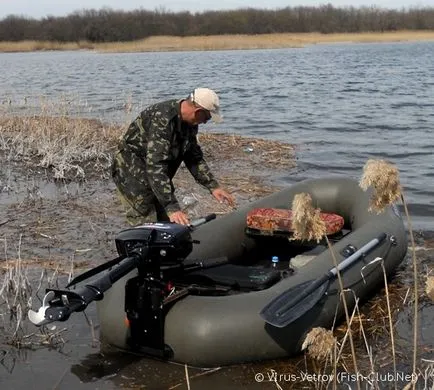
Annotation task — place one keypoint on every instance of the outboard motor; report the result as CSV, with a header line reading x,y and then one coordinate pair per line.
x,y
167,242
166,246
157,251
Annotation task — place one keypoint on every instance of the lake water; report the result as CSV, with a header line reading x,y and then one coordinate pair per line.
x,y
341,104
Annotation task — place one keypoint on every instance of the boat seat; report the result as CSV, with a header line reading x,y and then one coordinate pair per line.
x,y
278,222
235,276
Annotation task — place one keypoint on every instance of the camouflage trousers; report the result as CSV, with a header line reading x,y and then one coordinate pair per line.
x,y
135,193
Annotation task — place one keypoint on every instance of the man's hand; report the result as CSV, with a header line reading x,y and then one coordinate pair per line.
x,y
222,196
179,217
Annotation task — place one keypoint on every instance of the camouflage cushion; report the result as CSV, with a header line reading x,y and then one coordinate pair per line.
x,y
269,221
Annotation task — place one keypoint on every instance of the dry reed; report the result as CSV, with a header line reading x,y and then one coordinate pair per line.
x,y
319,343
389,310
383,177
222,42
198,375
25,46
307,224
17,293
306,221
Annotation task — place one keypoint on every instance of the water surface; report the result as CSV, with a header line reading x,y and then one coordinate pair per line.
x,y
341,104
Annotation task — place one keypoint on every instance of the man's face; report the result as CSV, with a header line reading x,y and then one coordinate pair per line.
x,y
201,116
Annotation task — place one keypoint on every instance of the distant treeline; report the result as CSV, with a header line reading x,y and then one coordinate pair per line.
x,y
107,25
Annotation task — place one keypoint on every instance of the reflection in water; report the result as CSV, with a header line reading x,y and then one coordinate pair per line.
x,y
102,366
132,371
9,357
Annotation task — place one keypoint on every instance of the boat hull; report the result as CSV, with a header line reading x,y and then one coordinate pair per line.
x,y
208,331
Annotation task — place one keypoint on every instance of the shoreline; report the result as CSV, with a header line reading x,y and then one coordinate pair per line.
x,y
221,42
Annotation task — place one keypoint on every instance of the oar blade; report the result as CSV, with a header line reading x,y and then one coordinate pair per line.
x,y
273,314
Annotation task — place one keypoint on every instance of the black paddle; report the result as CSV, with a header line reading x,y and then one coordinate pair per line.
x,y
296,301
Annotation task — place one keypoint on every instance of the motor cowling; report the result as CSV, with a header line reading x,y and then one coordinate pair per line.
x,y
169,242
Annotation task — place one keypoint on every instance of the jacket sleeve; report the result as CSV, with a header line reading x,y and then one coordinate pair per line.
x,y
196,164
157,159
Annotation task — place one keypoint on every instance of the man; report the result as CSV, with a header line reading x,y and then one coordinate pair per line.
x,y
151,151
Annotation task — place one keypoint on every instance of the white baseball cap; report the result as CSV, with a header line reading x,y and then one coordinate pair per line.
x,y
208,99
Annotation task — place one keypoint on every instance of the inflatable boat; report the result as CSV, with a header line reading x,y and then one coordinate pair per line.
x,y
214,294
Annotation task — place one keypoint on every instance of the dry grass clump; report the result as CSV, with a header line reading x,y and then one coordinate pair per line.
x,y
384,178
306,220
320,343
69,147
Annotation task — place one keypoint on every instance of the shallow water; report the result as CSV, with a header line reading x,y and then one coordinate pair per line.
x,y
341,104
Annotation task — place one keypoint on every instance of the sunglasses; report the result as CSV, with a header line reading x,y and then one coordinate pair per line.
x,y
207,114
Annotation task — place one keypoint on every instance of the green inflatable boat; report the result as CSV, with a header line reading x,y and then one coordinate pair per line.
x,y
211,294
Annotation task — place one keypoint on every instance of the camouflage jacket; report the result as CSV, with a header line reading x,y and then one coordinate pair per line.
x,y
161,142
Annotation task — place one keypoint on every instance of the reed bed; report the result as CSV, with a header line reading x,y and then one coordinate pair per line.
x,y
77,149
222,42
26,46
263,41
68,147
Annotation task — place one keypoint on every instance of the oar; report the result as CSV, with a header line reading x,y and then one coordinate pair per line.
x,y
296,301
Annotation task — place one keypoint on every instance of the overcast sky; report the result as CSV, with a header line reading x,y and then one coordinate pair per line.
x,y
40,8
